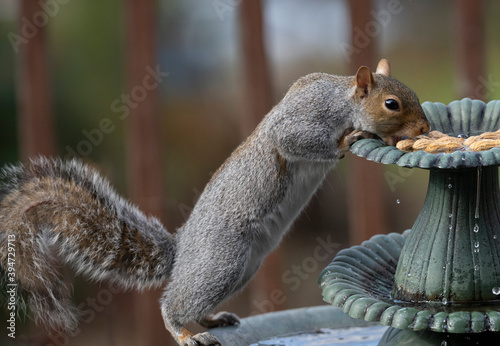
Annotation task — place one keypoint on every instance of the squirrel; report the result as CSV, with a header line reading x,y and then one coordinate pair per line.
x,y
65,212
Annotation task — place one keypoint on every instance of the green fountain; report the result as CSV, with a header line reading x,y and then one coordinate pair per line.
x,y
440,281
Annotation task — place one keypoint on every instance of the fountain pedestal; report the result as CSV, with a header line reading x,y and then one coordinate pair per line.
x,y
452,255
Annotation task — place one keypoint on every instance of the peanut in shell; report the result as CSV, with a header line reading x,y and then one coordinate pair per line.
x,y
406,144
422,143
485,144
448,146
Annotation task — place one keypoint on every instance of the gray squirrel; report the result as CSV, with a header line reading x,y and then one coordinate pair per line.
x,y
64,212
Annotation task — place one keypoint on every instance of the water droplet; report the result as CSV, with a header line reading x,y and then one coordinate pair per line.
x,y
409,274
476,244
495,236
476,228
463,135
496,290
478,192
450,186
445,301
476,267
450,215
398,201
450,227
444,343
476,250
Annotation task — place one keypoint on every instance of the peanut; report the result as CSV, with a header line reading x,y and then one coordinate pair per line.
x,y
406,144
486,144
422,143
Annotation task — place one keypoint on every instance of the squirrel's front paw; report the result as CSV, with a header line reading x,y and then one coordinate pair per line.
x,y
201,339
350,137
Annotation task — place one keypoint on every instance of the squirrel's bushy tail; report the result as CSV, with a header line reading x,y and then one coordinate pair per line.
x,y
64,212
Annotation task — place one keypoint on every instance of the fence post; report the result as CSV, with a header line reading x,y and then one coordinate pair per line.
x,y
258,99
470,48
36,125
143,144
366,196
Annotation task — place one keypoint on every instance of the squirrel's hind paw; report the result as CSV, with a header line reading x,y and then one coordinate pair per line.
x,y
220,319
201,339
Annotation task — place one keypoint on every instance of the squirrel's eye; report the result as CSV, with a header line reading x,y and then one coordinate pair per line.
x,y
392,104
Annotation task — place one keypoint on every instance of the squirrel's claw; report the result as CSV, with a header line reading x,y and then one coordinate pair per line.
x,y
349,138
220,319
201,339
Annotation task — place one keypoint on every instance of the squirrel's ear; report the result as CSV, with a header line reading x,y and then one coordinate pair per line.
x,y
384,68
364,81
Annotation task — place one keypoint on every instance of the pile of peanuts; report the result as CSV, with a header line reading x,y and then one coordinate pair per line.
x,y
437,142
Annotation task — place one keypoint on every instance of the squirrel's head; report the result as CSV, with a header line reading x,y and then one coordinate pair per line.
x,y
393,110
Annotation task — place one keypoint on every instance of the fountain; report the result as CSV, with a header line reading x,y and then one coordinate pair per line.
x,y
436,284
443,275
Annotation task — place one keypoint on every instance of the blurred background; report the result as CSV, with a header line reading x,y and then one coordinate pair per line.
x,y
157,94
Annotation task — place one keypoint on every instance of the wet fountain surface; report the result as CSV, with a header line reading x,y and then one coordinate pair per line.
x,y
356,336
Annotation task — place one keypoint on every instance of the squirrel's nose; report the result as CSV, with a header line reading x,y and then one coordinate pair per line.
x,y
425,128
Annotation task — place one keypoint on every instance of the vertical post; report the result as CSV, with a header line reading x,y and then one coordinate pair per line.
x,y
143,144
366,198
143,135
35,119
257,103
470,48
258,94
36,126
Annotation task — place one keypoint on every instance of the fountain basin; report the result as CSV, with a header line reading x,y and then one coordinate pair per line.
x,y
360,280
297,327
